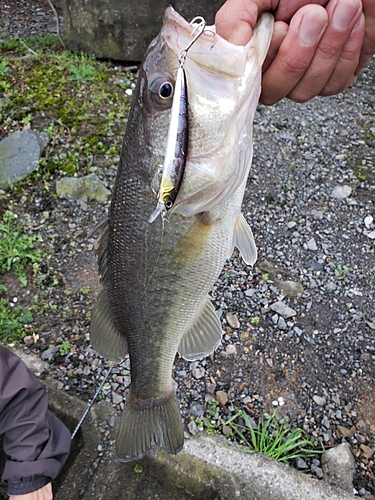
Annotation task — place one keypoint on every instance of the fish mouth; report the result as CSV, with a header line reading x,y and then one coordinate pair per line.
x,y
210,51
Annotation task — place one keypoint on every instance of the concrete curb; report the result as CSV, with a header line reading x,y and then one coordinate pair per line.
x,y
207,468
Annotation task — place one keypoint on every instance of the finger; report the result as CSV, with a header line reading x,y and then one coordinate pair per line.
x,y
280,30
295,53
368,48
343,16
287,8
236,19
344,73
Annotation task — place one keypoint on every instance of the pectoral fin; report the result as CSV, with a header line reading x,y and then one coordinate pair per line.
x,y
203,337
104,335
244,241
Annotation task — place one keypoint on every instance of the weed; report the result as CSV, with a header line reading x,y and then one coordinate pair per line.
x,y
64,348
265,277
4,66
277,441
16,249
340,272
82,74
255,321
14,320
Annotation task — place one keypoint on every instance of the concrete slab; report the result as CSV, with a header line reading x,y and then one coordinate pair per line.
x,y
208,468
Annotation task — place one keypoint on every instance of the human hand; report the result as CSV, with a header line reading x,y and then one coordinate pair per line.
x,y
315,49
44,493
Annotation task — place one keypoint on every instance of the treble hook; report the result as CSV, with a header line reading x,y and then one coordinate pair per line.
x,y
199,29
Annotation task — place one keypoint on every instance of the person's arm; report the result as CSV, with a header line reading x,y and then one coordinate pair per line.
x,y
35,440
315,50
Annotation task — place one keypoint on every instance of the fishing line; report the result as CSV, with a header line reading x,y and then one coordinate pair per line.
x,y
91,401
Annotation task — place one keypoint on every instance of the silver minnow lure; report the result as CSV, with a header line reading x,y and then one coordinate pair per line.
x,y
178,135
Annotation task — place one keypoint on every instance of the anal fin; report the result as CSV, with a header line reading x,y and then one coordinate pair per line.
x,y
244,241
204,336
104,335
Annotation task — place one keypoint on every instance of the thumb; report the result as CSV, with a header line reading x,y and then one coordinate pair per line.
x,y
235,21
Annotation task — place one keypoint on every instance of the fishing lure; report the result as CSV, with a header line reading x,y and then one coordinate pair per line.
x,y
178,134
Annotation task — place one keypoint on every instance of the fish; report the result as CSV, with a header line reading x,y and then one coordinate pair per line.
x,y
156,276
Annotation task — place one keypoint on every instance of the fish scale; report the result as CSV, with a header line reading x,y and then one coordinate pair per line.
x,y
156,276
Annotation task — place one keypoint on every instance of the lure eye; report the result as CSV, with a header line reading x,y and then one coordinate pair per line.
x,y
161,90
168,204
165,90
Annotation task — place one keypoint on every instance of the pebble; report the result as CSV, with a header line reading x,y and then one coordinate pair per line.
x,y
283,309
192,427
230,349
311,245
367,451
198,372
196,409
233,321
221,397
319,400
116,398
341,192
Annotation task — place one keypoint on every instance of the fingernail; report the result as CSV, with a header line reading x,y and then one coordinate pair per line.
x,y
344,13
311,27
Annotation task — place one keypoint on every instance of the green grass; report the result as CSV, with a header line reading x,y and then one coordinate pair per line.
x,y
17,249
14,320
276,440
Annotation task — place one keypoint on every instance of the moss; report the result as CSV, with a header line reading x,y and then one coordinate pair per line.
x,y
72,96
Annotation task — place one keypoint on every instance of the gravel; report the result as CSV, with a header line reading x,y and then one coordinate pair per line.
x,y
299,326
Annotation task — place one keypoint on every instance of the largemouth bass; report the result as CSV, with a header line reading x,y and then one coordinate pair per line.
x,y
156,276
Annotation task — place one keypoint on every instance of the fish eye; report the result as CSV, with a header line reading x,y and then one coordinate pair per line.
x,y
161,90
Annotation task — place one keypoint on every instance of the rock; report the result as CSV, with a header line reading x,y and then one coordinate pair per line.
x,y
192,428
282,309
311,245
49,354
319,400
317,471
19,155
281,324
231,349
338,466
345,432
89,187
341,192
116,398
198,372
226,430
196,409
331,286
371,235
110,31
300,463
368,221
367,451
221,397
233,321
290,288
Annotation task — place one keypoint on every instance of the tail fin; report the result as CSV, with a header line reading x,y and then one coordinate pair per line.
x,y
149,423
